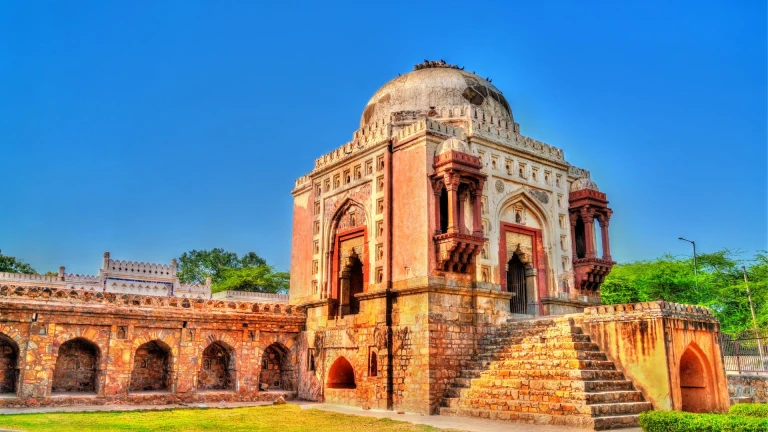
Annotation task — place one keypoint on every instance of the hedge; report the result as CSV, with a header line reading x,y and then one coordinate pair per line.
x,y
749,410
675,421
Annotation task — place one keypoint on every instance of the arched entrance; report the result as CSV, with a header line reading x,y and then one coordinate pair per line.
x,y
76,366
151,367
695,383
516,284
352,280
341,375
9,357
274,373
216,368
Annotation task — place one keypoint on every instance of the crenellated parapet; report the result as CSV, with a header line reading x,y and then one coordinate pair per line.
x,y
575,172
140,268
630,311
73,296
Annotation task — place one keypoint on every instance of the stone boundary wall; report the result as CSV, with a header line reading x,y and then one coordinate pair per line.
x,y
207,350
650,343
754,387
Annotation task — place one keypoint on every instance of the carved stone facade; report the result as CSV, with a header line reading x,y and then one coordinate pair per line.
x,y
458,224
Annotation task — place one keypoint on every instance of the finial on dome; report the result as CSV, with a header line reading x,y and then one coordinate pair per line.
x,y
427,64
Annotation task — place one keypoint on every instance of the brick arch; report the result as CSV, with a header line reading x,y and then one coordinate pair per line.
x,y
218,366
167,337
152,366
9,364
697,393
275,366
77,366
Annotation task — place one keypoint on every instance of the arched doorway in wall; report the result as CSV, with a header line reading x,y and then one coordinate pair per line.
x,y
274,370
9,357
353,273
151,367
341,375
216,369
516,284
76,366
696,389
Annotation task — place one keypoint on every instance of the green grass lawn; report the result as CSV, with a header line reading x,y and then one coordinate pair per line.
x,y
261,418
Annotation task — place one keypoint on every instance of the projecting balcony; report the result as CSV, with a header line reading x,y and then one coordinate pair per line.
x,y
456,252
590,273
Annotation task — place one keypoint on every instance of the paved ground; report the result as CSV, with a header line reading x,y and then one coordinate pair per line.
x,y
460,423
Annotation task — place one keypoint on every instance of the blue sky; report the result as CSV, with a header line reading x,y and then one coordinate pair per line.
x,y
151,128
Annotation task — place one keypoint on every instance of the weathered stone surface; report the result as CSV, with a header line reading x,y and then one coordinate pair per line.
x,y
77,347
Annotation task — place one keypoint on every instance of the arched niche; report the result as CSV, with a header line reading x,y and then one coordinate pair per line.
x,y
9,358
275,368
76,367
341,375
151,367
217,368
696,392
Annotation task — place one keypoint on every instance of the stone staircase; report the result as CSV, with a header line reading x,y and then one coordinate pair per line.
x,y
544,371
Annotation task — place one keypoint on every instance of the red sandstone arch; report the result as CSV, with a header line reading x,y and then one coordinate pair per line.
x,y
341,375
76,367
9,357
151,367
217,368
696,392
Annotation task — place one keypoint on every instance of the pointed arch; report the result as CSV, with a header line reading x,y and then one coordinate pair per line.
x,y
77,366
341,375
152,367
275,367
532,255
695,378
217,369
9,364
348,226
522,196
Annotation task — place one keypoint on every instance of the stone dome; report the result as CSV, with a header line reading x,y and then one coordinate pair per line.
x,y
452,143
435,85
583,183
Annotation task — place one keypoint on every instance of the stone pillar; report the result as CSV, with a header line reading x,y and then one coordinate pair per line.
x,y
588,217
452,185
604,222
477,226
437,189
61,274
573,217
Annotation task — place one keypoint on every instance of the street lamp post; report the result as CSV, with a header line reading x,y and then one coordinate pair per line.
x,y
695,269
754,320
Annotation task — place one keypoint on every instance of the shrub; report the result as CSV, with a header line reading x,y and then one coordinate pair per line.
x,y
675,421
749,410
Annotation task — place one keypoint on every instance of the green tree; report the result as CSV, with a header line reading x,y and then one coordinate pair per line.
x,y
262,278
719,285
230,272
13,265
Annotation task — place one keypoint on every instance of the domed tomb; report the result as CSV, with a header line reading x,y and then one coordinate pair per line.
x,y
435,85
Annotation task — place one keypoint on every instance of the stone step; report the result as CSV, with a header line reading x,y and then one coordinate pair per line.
x,y
511,354
615,422
553,408
535,331
498,367
497,342
578,421
563,385
547,393
613,409
553,374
